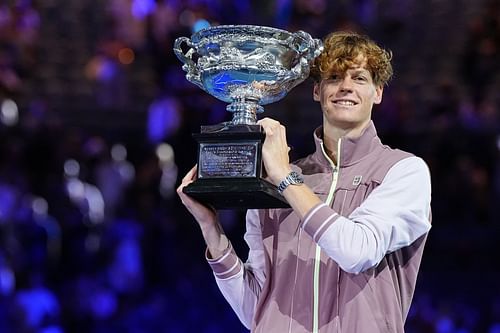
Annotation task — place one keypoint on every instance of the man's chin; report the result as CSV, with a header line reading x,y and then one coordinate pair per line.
x,y
349,124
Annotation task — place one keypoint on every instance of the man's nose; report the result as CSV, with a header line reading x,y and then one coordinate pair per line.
x,y
346,84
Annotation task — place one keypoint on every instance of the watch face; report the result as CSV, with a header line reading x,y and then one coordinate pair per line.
x,y
296,178
292,178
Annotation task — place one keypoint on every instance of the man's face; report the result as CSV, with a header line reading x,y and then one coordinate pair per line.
x,y
347,100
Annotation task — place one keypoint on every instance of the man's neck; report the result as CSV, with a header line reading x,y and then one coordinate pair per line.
x,y
332,135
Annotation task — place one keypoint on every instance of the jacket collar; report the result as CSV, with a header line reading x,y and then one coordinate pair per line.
x,y
352,150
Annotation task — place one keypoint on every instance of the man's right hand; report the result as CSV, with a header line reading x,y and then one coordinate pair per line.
x,y
206,217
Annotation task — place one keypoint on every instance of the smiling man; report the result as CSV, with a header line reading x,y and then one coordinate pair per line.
x,y
345,257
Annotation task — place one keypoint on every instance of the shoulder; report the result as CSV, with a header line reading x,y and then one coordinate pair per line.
x,y
391,155
381,159
410,166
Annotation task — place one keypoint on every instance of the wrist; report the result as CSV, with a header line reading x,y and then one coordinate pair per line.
x,y
217,249
216,241
293,178
277,177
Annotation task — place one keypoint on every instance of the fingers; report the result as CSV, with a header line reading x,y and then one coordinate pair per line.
x,y
191,175
275,133
204,215
271,126
190,203
188,179
275,150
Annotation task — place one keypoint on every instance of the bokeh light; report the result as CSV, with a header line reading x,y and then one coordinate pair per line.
x,y
9,112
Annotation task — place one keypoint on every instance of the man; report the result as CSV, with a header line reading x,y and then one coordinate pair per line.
x,y
345,258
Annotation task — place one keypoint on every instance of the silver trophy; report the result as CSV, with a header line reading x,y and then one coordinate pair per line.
x,y
247,67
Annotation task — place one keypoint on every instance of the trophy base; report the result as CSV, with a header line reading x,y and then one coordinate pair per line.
x,y
236,193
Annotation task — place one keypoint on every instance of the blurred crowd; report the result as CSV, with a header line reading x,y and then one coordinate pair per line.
x,y
93,141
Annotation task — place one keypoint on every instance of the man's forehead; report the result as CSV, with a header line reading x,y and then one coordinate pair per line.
x,y
358,69
351,65
360,62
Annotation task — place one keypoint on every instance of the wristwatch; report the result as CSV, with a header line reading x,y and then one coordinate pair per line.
x,y
293,178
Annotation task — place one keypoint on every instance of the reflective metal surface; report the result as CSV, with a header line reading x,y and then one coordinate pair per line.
x,y
247,66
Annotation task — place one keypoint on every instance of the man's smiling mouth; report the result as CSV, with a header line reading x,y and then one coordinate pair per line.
x,y
344,102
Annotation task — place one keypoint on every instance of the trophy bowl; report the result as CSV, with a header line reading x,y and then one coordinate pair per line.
x,y
246,66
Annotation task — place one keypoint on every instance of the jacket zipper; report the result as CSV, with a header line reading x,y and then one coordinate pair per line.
x,y
317,259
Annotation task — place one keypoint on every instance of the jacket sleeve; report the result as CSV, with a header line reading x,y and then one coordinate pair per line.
x,y
239,282
393,216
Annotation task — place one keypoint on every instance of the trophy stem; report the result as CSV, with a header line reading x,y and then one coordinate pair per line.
x,y
245,111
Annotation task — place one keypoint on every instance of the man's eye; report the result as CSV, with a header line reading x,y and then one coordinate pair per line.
x,y
360,78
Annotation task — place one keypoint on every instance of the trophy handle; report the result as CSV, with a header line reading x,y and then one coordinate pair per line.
x,y
308,48
193,74
184,57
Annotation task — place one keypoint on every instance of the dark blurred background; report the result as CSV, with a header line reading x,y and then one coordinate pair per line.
x,y
96,119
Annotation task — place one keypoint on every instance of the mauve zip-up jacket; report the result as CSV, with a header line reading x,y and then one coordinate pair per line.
x,y
351,264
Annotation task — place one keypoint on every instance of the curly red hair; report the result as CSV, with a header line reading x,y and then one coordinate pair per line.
x,y
344,50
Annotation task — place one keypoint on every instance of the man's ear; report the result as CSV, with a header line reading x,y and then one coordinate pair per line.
x,y
379,91
316,90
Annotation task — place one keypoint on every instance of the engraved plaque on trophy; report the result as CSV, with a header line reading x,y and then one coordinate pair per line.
x,y
247,67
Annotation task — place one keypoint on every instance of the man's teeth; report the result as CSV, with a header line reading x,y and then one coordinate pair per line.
x,y
348,103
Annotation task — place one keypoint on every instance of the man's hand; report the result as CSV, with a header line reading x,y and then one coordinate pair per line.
x,y
206,218
277,163
204,215
275,150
